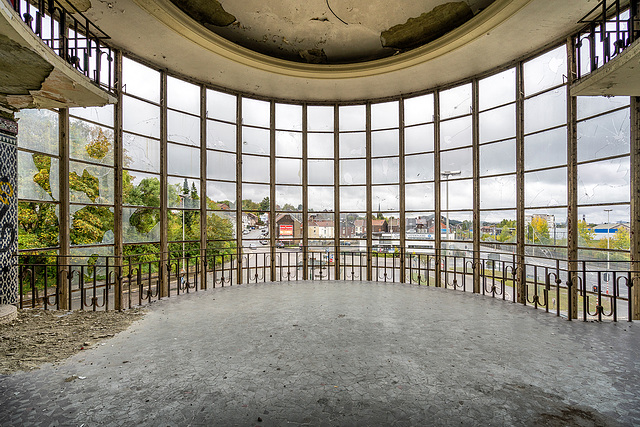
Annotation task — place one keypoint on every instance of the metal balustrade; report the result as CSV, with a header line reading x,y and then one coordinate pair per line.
x,y
596,290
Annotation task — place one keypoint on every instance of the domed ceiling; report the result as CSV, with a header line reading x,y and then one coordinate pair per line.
x,y
330,31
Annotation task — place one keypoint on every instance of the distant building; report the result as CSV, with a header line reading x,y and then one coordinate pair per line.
x,y
288,228
379,226
602,231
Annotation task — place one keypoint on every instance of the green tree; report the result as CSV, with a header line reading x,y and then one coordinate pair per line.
x,y
585,235
622,239
505,234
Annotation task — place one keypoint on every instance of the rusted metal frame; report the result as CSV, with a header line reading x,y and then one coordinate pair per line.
x,y
239,277
521,276
203,187
369,194
634,297
336,193
272,189
118,249
164,202
65,210
305,197
475,117
437,229
572,184
402,215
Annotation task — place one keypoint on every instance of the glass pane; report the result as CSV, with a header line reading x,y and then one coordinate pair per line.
x,y
498,226
38,225
255,141
288,117
320,118
606,181
418,139
183,128
289,144
353,198
90,142
604,136
499,157
419,197
141,153
183,96
90,183
320,145
456,194
140,189
140,225
221,106
460,228
418,110
320,198
538,146
221,136
455,133
385,198
592,105
455,102
320,226
38,177
385,143
353,172
545,227
353,225
91,225
385,115
288,171
546,188
352,117
38,130
499,123
184,225
593,224
255,197
256,169
420,225
497,90
545,71
221,165
288,198
184,161
385,171
457,161
498,192
256,113
183,193
221,195
140,80
141,117
320,172
221,225
102,115
353,145
419,168
546,110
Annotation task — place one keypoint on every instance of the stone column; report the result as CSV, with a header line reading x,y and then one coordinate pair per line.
x,y
8,211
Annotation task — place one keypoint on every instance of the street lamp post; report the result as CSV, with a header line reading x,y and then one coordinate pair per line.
x,y
446,175
608,211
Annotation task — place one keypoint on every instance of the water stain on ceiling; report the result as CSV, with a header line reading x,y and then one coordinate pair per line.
x,y
331,31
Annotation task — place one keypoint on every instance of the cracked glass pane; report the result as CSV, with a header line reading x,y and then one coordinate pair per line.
x,y
546,110
183,96
141,153
604,136
89,142
455,102
221,106
140,117
498,157
498,192
546,188
418,110
183,161
101,115
140,189
545,71
419,196
38,177
455,133
538,146
606,181
140,225
418,139
38,130
39,225
221,165
591,105
419,168
498,89
183,128
221,136
91,225
288,198
90,184
140,80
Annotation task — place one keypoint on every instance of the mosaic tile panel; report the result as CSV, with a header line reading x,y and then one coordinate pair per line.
x,y
8,213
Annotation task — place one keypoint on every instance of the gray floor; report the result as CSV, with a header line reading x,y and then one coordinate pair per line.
x,y
340,353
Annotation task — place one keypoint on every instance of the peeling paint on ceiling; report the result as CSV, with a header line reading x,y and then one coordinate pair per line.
x,y
330,31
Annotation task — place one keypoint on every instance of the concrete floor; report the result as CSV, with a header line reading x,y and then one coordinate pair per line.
x,y
340,353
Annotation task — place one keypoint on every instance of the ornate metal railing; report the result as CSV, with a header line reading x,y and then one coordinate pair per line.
x,y
586,290
610,29
71,35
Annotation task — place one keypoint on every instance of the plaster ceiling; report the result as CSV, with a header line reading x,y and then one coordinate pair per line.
x,y
162,34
